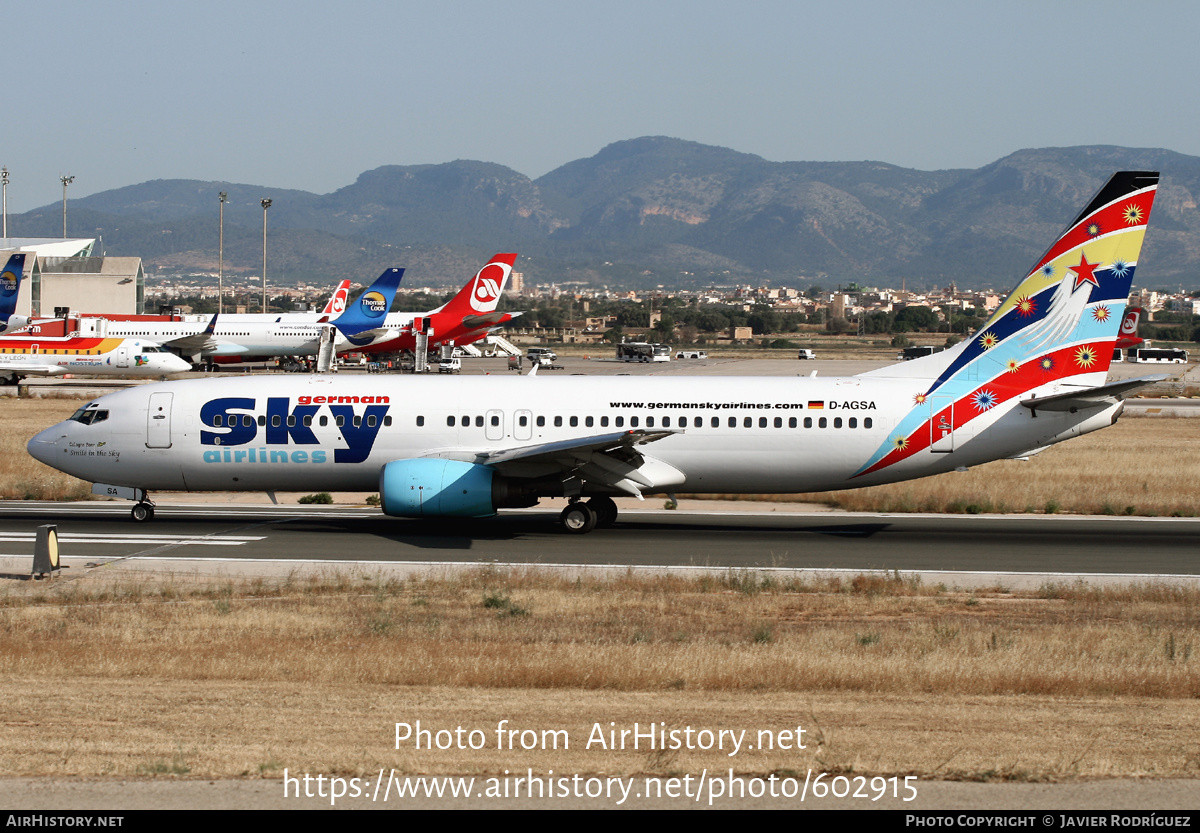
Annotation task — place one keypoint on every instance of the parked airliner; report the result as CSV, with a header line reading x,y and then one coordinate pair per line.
x,y
1033,376
464,319
233,334
21,357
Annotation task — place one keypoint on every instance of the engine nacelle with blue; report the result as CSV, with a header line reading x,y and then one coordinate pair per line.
x,y
436,488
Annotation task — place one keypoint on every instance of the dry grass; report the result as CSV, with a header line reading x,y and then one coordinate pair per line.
x,y
741,632
741,649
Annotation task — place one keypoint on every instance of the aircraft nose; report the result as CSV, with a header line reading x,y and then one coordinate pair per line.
x,y
44,445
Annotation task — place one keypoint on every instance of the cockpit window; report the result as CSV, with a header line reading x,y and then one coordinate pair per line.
x,y
89,414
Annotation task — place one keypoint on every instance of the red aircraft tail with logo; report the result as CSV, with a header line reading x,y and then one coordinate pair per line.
x,y
337,302
480,295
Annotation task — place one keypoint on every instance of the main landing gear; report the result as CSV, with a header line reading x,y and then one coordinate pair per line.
x,y
143,510
580,517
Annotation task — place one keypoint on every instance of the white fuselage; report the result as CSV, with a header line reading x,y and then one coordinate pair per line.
x,y
749,435
87,357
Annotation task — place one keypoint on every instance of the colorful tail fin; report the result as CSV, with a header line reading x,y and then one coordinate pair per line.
x,y
482,292
10,289
1128,336
1053,335
337,302
370,309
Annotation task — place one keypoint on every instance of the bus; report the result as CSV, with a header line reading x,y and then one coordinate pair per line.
x,y
1169,355
640,351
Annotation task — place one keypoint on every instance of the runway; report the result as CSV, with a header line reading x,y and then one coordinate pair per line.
x,y
1013,550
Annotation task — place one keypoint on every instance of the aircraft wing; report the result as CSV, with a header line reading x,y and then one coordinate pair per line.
x,y
193,344
1090,397
32,369
611,459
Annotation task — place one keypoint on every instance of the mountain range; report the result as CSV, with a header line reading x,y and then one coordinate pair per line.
x,y
651,211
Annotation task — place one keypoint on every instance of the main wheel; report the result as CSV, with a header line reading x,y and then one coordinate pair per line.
x,y
605,509
578,518
142,512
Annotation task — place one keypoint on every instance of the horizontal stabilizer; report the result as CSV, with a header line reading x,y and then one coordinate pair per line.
x,y
1091,397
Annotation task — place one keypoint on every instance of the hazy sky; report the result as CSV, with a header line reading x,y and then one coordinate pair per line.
x,y
307,95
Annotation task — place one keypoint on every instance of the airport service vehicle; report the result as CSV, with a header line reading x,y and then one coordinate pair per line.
x,y
692,354
450,365
640,351
541,356
468,446
910,353
1159,355
806,354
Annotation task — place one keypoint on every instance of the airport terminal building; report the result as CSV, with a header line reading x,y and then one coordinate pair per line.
x,y
64,274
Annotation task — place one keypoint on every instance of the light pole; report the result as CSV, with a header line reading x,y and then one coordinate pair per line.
x,y
221,255
4,179
265,204
66,180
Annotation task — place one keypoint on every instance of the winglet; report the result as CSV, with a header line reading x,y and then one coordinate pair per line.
x,y
370,309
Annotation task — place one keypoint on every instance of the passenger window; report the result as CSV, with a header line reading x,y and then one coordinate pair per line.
x,y
557,422
852,423
603,422
666,422
589,421
387,420
247,420
650,422
478,422
747,422
822,423
716,422
808,422
276,421
733,422
837,422
574,422
291,421
523,420
762,422
619,422
495,420
791,422
262,420
867,422
341,420
778,422
541,422
450,421
466,422
218,421
633,422
370,421
420,421
324,420
308,420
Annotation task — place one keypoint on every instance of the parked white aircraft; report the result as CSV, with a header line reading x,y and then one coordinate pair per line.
x,y
466,446
21,357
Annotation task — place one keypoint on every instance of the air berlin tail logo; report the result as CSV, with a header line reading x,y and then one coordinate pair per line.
x,y
1129,325
488,285
339,300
